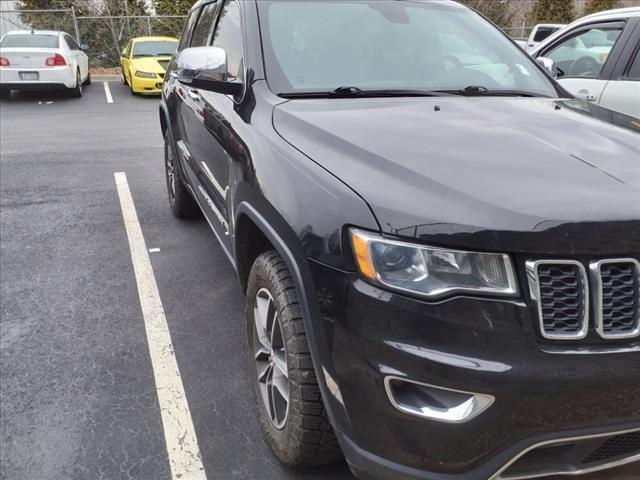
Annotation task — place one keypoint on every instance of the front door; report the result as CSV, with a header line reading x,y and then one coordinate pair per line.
x,y
581,57
207,132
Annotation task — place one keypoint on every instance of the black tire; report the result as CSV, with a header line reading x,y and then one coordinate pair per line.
x,y
131,86
304,437
124,78
77,90
5,93
88,80
180,200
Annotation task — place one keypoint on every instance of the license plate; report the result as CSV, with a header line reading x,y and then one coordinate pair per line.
x,y
29,76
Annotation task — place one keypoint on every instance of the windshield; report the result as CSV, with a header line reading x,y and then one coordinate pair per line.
x,y
154,48
321,45
29,40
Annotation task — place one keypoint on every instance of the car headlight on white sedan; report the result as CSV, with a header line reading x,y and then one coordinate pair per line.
x,y
430,271
145,74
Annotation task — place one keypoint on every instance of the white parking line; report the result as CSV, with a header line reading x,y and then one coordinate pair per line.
x,y
179,434
107,92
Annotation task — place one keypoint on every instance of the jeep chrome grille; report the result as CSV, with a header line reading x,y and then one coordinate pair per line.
x,y
617,297
560,289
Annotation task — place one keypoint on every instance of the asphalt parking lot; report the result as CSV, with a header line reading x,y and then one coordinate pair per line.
x,y
78,396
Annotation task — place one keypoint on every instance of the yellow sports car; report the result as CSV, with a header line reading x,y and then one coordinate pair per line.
x,y
144,62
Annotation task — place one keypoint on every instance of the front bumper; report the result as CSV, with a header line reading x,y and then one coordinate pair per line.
x,y
482,345
147,85
49,78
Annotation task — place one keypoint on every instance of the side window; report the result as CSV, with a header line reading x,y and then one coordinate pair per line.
x,y
584,55
228,35
203,27
634,70
71,42
188,28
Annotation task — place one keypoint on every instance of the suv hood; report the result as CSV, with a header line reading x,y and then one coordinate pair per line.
x,y
458,170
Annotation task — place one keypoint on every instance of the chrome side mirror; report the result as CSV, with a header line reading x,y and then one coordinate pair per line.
x,y
548,65
206,68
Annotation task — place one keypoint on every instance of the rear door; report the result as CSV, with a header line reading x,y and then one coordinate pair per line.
x,y
585,57
622,92
78,56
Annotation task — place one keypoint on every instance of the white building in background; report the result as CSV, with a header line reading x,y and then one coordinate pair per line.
x,y
9,19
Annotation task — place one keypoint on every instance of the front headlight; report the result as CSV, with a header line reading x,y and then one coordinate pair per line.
x,y
430,271
145,74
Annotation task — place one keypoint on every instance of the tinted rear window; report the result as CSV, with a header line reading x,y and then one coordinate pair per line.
x,y
30,40
543,33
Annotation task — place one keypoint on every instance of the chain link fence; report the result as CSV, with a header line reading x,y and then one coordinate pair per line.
x,y
37,19
519,33
104,37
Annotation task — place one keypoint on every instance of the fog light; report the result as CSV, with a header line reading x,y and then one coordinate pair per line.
x,y
435,403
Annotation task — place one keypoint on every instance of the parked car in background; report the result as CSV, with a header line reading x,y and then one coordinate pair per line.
x,y
144,61
597,58
42,60
540,32
439,250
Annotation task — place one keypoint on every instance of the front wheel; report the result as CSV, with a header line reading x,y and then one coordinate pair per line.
x,y
88,80
290,408
133,92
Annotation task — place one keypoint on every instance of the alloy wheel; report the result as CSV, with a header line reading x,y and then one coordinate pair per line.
x,y
271,359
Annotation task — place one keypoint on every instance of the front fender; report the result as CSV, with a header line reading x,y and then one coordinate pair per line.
x,y
291,251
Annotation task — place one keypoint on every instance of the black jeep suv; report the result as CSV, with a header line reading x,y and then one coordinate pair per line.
x,y
439,247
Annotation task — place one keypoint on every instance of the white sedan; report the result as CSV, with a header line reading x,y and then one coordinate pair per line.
x,y
597,58
42,60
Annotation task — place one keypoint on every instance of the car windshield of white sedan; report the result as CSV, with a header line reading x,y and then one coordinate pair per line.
x,y
322,45
154,48
30,40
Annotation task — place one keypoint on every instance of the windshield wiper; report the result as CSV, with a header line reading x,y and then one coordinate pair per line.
x,y
355,92
481,91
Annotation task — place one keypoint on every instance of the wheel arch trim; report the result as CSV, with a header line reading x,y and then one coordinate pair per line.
x,y
303,282
172,143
